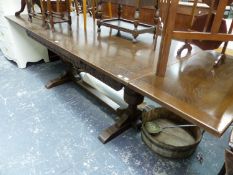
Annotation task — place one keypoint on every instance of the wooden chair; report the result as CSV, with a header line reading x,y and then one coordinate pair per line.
x,y
89,4
165,19
86,6
23,5
31,9
56,11
134,27
203,23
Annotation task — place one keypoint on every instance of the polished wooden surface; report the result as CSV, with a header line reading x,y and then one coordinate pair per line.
x,y
191,87
116,56
195,91
147,13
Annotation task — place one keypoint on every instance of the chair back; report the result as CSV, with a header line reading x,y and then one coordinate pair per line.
x,y
167,10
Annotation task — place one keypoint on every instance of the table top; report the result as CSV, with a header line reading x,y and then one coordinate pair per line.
x,y
195,91
190,88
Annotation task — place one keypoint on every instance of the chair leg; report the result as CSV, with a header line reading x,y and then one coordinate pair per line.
x,y
76,7
93,4
50,15
222,57
23,5
42,3
110,9
136,22
223,170
68,5
29,5
85,14
99,15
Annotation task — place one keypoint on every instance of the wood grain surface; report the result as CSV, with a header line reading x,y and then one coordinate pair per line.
x,y
191,87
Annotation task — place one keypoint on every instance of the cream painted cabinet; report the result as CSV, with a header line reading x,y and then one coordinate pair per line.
x,y
14,42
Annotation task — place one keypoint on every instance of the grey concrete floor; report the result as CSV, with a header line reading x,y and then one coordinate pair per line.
x,y
55,132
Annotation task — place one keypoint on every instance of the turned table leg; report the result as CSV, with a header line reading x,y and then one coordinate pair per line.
x,y
129,118
67,76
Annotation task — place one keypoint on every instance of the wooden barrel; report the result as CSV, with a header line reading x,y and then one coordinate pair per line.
x,y
171,143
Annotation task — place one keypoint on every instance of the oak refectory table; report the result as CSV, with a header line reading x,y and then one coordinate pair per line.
x,y
191,87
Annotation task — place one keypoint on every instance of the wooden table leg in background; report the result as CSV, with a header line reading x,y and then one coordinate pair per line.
x,y
129,118
67,76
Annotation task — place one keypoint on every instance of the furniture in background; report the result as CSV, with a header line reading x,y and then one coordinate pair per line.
x,y
56,12
24,3
166,22
133,27
203,23
14,42
90,7
188,89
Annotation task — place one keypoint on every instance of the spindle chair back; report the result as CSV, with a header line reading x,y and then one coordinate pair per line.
x,y
165,18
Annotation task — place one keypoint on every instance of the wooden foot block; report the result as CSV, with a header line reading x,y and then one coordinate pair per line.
x,y
58,81
112,132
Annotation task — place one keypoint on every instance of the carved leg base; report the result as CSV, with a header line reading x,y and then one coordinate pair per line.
x,y
129,117
113,131
66,77
124,123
